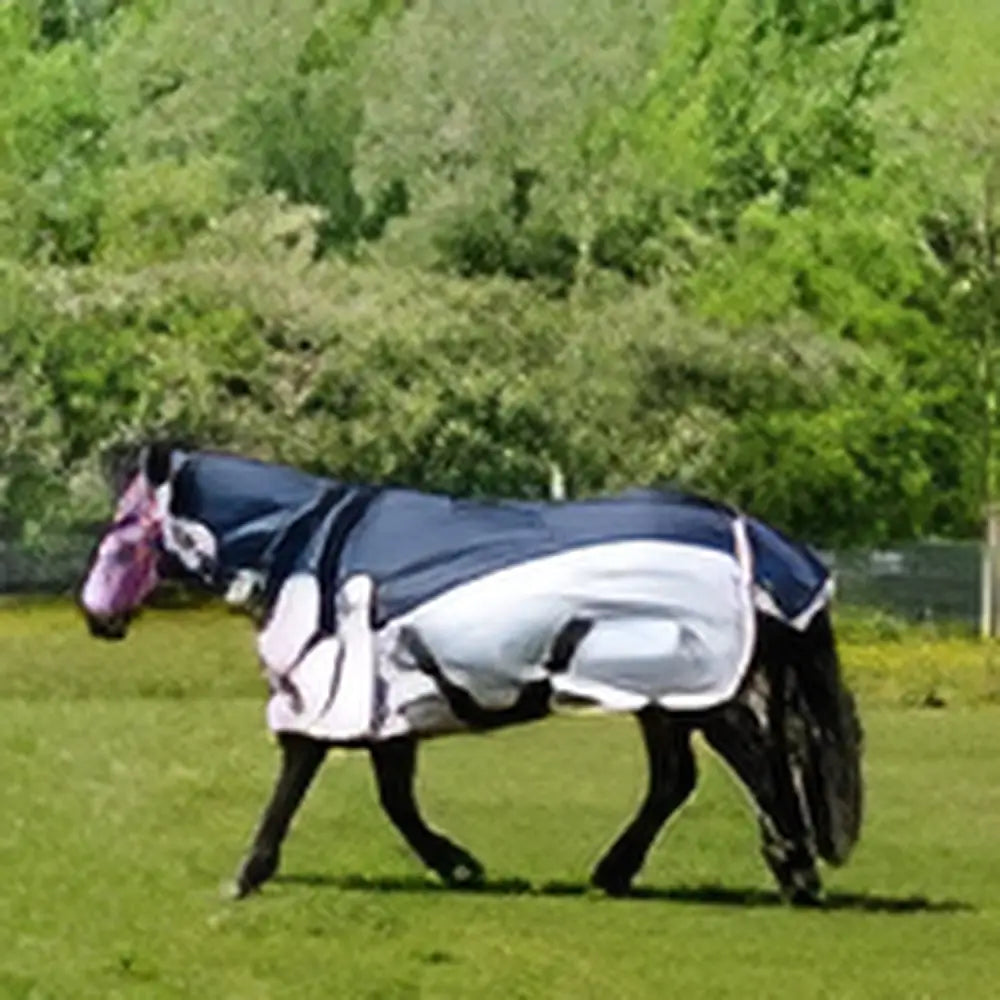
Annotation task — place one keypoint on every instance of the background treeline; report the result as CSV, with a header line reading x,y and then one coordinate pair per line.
x,y
749,246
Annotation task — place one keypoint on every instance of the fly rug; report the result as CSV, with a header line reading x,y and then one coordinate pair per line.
x,y
386,616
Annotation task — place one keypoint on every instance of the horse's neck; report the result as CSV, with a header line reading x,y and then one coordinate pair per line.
x,y
247,505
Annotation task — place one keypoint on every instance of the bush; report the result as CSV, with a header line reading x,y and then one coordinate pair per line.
x,y
721,244
447,384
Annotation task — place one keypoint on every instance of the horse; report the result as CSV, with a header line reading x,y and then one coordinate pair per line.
x,y
387,616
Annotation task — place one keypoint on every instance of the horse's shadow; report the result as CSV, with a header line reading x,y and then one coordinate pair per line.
x,y
706,894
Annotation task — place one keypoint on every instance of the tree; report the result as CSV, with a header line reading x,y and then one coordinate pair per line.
x,y
488,116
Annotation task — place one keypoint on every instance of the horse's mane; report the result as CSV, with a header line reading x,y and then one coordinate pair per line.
x,y
119,461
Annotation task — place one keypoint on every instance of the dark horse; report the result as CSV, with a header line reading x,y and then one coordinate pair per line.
x,y
788,730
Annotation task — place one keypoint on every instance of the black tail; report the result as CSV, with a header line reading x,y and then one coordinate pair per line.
x,y
830,755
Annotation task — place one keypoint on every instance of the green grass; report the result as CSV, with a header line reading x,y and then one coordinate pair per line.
x,y
133,775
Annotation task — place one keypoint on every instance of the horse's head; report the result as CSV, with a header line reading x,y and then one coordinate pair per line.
x,y
142,541
204,516
125,567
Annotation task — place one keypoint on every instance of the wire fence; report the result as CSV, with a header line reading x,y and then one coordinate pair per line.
x,y
920,581
56,568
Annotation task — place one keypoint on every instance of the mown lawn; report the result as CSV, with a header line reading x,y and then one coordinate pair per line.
x,y
132,776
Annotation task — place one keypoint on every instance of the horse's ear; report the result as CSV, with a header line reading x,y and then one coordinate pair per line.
x,y
156,461
119,463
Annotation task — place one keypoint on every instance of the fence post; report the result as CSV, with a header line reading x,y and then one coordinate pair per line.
x,y
989,618
557,482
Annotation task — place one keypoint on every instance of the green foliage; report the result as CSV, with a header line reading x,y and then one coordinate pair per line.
x,y
296,133
863,453
739,245
490,116
175,71
62,20
751,99
52,123
297,138
920,668
369,373
158,207
492,242
28,460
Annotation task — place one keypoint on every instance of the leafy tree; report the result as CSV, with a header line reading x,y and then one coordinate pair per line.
x,y
488,116
752,98
747,246
52,127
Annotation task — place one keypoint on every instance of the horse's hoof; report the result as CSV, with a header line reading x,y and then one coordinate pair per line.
x,y
803,889
256,870
611,883
241,888
237,889
464,872
796,875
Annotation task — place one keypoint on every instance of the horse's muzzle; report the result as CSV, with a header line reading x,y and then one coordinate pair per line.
x,y
113,627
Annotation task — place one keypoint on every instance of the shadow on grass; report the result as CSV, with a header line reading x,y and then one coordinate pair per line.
x,y
713,895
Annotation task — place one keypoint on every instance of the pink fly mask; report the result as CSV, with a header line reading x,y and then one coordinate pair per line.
x,y
125,567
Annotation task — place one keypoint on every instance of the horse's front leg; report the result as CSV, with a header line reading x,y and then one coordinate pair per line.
x,y
395,763
300,760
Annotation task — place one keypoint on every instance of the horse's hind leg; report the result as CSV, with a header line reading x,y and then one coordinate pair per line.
x,y
672,777
737,734
395,763
301,759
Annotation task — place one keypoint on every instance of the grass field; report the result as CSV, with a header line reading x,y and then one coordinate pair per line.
x,y
132,776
